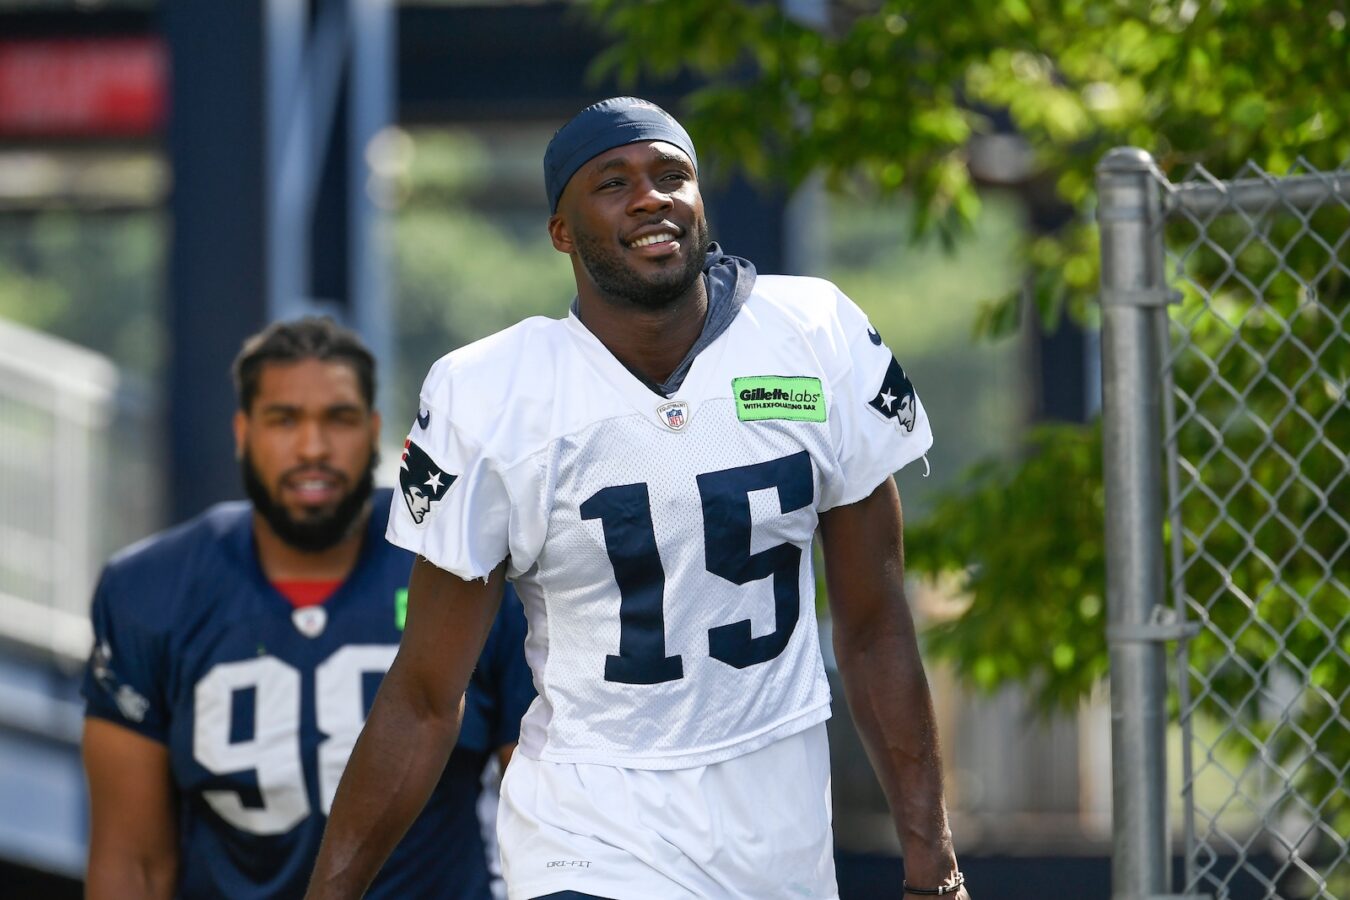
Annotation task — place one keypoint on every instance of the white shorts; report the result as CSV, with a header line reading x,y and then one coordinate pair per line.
x,y
748,828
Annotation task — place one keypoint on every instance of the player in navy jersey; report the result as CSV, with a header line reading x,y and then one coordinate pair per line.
x,y
236,656
650,473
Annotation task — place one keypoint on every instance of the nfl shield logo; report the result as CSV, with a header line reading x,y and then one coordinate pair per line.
x,y
310,620
674,415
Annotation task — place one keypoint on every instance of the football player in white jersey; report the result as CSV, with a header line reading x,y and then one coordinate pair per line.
x,y
650,471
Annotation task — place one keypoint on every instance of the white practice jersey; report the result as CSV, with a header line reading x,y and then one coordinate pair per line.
x,y
661,546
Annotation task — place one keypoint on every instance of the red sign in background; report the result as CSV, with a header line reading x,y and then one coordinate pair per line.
x,y
82,87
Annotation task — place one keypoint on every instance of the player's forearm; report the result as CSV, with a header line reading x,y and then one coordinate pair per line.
x,y
116,876
394,766
892,708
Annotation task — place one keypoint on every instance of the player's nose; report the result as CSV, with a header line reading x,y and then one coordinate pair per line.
x,y
313,440
647,197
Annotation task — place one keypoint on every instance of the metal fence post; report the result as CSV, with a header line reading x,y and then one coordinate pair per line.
x,y
1134,298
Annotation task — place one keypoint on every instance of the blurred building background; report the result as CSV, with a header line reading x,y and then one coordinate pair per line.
x,y
173,176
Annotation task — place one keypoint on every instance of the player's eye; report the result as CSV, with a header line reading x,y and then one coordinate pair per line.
x,y
346,418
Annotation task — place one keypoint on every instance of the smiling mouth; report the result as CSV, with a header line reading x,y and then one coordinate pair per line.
x,y
650,239
313,491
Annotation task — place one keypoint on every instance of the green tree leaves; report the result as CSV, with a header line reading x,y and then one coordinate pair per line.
x,y
893,91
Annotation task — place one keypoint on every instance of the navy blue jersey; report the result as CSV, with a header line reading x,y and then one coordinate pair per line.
x,y
260,703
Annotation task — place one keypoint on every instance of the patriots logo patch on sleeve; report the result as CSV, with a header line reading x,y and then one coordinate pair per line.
x,y
895,400
422,481
129,701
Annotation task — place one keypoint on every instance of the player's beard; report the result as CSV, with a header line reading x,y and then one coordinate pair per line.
x,y
317,533
618,280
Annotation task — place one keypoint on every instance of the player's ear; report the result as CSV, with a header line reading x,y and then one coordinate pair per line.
x,y
560,234
240,424
375,422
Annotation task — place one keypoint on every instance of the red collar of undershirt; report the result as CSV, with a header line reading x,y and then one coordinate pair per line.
x,y
306,593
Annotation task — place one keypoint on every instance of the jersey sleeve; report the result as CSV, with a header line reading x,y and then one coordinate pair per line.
x,y
879,425
451,506
123,680
470,491
456,500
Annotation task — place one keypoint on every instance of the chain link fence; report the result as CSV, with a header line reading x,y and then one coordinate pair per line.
x,y
1225,346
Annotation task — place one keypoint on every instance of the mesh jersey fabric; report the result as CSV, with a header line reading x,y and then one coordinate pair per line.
x,y
665,567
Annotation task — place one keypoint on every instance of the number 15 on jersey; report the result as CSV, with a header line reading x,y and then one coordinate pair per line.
x,y
625,513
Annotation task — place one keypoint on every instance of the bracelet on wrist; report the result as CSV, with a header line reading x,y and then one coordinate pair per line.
x,y
955,884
